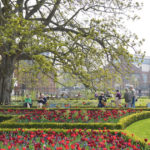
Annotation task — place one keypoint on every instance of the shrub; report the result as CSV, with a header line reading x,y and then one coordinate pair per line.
x,y
126,121
122,124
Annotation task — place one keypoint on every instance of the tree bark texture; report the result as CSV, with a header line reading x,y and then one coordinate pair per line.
x,y
6,73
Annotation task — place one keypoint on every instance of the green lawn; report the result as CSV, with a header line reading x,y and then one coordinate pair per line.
x,y
90,103
141,128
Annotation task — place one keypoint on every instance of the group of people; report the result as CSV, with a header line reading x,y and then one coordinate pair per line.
x,y
42,100
129,96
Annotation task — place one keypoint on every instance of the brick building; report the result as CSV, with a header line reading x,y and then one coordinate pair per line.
x,y
140,77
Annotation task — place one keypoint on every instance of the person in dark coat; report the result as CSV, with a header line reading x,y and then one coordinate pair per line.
x,y
118,98
128,98
42,100
133,95
102,100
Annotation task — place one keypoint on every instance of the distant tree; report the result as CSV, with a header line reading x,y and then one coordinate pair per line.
x,y
79,37
31,78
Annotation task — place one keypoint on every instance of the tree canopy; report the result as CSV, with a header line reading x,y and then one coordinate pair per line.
x,y
80,37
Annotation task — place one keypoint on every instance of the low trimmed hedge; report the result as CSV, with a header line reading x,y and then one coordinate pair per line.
x,y
122,124
5,117
96,108
126,121
13,124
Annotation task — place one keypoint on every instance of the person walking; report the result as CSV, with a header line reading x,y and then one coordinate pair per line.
x,y
133,96
102,100
128,98
118,98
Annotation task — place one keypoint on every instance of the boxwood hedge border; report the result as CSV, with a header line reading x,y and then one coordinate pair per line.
x,y
96,108
122,124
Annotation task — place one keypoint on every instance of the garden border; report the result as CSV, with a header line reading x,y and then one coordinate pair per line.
x,y
122,124
127,134
93,108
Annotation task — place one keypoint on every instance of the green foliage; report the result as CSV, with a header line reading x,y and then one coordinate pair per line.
x,y
74,108
20,31
89,48
60,125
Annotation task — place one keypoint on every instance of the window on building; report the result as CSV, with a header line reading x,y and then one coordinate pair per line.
x,y
144,77
146,61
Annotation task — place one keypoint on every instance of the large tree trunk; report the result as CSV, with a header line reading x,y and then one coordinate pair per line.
x,y
6,72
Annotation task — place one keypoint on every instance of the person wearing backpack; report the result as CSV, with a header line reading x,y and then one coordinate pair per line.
x,y
128,98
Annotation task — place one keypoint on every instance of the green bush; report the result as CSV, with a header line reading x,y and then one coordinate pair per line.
x,y
126,121
12,124
5,117
79,108
122,124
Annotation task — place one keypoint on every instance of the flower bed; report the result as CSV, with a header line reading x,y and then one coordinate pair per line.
x,y
74,116
71,139
122,124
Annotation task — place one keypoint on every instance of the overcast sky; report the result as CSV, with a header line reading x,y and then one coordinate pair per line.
x,y
142,27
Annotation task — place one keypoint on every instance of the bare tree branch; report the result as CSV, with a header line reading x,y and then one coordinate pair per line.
x,y
20,5
61,29
5,2
26,7
35,9
75,14
52,12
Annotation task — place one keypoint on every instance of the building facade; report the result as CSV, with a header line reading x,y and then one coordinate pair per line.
x,y
139,77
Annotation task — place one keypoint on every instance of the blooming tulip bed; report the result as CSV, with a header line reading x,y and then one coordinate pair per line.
x,y
69,140
73,116
70,116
